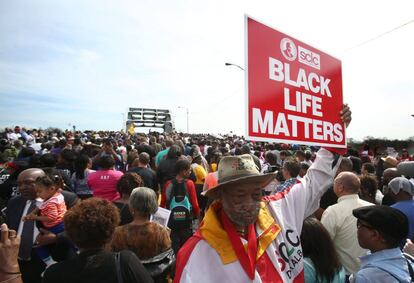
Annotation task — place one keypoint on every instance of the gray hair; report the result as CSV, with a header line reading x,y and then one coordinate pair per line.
x,y
143,200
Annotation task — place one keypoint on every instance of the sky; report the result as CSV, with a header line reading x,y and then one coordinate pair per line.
x,y
84,62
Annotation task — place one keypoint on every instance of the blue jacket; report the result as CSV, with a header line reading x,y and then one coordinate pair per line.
x,y
386,266
407,207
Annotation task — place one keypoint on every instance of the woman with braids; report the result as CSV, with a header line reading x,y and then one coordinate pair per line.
x,y
322,263
369,187
80,177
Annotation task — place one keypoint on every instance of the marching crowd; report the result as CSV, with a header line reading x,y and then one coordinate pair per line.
x,y
87,207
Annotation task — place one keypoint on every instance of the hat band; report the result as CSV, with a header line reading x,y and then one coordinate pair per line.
x,y
235,177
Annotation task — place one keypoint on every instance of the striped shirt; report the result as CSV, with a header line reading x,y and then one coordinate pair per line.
x,y
54,208
285,185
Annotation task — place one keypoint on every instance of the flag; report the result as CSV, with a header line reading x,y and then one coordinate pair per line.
x,y
131,129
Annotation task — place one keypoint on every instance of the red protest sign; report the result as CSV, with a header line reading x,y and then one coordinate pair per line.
x,y
294,91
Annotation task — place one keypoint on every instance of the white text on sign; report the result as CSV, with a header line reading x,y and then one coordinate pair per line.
x,y
300,102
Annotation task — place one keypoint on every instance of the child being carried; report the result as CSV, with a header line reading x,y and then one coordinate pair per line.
x,y
49,212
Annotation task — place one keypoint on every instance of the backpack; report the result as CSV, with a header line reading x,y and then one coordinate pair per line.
x,y
179,205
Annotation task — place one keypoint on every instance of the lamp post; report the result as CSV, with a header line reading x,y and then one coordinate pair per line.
x,y
186,109
235,65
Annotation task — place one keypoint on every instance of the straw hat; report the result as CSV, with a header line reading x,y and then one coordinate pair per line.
x,y
393,162
234,170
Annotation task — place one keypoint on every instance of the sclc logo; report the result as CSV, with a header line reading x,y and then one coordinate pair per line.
x,y
309,58
305,56
288,48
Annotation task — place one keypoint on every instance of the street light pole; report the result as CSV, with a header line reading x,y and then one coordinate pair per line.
x,y
186,108
235,65
188,127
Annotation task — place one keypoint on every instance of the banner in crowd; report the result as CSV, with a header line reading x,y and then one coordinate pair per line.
x,y
294,91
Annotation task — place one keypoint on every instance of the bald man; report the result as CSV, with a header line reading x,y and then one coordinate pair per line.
x,y
30,265
340,222
329,197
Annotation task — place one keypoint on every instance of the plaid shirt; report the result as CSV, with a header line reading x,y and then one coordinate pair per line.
x,y
285,185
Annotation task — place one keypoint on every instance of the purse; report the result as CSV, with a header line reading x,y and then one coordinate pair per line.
x,y
160,265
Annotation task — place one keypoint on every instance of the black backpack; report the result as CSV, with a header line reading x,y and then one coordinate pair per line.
x,y
179,204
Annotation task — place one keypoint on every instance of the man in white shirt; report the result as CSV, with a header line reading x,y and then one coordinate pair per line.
x,y
340,222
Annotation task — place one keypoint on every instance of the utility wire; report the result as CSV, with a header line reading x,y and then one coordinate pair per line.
x,y
380,35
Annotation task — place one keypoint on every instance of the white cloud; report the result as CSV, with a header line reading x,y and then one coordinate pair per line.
x,y
87,57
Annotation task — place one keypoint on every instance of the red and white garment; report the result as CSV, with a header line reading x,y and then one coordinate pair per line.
x,y
54,208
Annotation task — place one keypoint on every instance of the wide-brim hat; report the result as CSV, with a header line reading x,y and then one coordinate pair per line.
x,y
390,161
241,169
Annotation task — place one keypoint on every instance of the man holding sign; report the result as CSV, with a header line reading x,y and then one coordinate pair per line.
x,y
247,238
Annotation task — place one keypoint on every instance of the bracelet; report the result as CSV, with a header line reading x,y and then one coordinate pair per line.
x,y
10,279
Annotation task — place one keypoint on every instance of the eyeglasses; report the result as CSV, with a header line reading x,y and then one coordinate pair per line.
x,y
360,224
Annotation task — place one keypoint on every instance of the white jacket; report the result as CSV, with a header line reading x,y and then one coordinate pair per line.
x,y
202,260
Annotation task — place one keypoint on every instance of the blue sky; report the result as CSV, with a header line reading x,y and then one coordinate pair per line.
x,y
84,62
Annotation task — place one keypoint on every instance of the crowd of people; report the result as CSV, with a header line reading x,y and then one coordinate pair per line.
x,y
82,207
